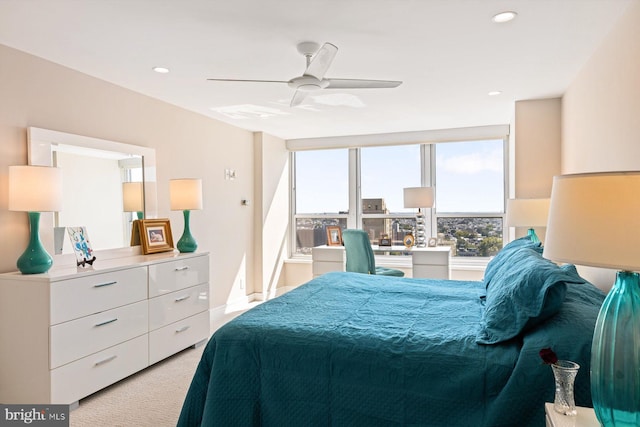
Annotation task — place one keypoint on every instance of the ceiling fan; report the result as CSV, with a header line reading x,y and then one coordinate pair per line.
x,y
318,62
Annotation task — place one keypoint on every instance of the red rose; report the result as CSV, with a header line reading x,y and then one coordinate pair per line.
x,y
548,356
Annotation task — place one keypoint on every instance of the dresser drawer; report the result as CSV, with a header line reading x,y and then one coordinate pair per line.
x,y
71,382
91,294
177,305
78,338
177,336
179,274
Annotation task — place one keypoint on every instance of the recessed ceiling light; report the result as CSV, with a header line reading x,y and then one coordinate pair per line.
x,y
504,17
494,93
162,70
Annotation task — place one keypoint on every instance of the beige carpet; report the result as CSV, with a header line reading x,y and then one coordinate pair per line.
x,y
152,397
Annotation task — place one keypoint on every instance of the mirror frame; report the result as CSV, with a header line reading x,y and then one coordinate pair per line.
x,y
40,148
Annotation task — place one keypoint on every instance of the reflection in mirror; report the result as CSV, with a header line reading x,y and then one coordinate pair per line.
x,y
96,174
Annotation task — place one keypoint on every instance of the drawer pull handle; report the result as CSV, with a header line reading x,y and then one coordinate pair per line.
x,y
104,284
184,328
186,267
182,298
105,360
106,322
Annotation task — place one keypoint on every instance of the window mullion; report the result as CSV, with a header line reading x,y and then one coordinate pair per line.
x,y
355,195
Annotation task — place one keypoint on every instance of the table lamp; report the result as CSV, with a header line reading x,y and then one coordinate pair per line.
x,y
528,213
35,189
419,197
594,220
133,198
186,195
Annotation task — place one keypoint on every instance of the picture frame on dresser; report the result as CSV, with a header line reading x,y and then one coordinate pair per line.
x,y
155,235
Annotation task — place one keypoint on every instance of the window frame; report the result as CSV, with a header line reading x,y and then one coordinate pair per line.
x,y
355,216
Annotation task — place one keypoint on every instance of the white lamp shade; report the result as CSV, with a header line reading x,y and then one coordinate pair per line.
x,y
594,220
418,197
35,189
185,194
132,197
527,212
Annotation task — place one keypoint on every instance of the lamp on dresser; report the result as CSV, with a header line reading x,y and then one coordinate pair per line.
x,y
186,195
133,198
594,220
528,213
419,197
35,189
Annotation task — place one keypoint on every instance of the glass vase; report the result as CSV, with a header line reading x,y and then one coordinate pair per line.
x,y
615,355
565,373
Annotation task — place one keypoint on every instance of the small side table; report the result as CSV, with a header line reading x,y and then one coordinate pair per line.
x,y
585,418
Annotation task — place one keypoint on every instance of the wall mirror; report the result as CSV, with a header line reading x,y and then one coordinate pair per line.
x,y
107,185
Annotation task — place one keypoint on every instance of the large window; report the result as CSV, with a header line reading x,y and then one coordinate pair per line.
x,y
470,194
385,171
321,195
363,188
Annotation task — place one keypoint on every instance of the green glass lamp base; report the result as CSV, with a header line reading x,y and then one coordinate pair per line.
x,y
187,243
533,236
35,258
140,215
615,359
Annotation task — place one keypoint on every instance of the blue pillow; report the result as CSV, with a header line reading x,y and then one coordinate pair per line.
x,y
505,253
525,291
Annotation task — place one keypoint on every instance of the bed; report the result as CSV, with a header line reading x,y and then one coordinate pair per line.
x,y
349,349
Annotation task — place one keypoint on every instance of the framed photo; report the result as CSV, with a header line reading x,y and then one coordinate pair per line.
x,y
155,235
384,240
432,242
334,235
81,246
408,240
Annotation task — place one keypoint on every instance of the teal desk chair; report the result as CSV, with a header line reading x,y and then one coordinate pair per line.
x,y
360,258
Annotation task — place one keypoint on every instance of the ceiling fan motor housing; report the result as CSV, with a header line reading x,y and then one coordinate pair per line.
x,y
307,83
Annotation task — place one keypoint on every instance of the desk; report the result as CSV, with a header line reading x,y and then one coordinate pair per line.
x,y
433,263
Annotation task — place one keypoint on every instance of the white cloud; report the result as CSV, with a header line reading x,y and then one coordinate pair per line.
x,y
473,163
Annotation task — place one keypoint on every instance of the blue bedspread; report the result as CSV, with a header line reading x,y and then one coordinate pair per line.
x,y
357,350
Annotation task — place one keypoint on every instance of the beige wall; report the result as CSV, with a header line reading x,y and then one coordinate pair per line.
x,y
601,108
272,212
601,112
537,147
35,92
536,144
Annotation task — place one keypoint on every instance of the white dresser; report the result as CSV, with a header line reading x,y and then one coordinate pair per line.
x,y
432,263
70,332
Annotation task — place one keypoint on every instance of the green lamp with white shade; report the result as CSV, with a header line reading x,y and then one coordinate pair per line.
x,y
528,213
133,198
35,189
594,220
186,195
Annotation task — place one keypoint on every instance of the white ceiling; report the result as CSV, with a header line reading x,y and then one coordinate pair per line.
x,y
448,53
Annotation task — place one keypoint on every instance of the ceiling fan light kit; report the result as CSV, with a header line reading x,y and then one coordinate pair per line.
x,y
318,62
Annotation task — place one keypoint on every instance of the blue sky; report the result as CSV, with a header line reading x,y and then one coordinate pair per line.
x,y
469,177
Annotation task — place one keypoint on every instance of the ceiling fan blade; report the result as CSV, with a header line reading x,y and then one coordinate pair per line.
x,y
361,84
250,81
321,61
298,97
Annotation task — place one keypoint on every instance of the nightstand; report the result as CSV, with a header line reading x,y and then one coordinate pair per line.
x,y
585,418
